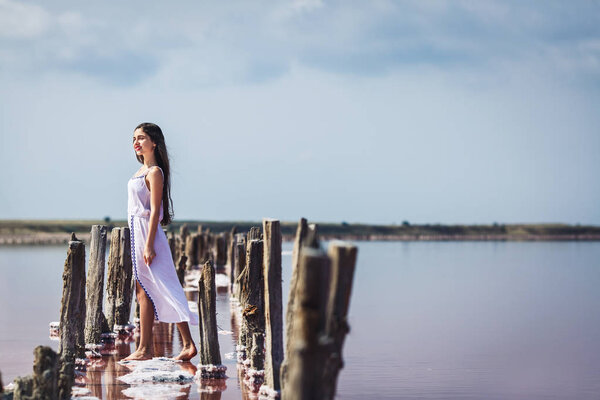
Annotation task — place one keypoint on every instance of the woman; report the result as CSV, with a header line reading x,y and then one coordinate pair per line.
x,y
158,290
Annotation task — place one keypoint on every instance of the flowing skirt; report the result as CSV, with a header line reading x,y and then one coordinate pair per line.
x,y
159,280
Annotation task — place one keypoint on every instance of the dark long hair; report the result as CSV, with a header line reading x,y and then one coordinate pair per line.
x,y
162,158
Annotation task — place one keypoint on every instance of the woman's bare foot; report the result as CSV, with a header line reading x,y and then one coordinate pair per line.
x,y
187,353
139,355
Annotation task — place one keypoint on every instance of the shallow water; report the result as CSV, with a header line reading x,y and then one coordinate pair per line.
x,y
429,320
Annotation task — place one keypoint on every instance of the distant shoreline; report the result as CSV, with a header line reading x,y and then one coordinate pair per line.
x,y
57,232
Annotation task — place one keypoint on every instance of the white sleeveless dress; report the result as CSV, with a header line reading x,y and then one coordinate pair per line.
x,y
159,280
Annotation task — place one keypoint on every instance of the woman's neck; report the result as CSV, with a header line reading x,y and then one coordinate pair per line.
x,y
150,162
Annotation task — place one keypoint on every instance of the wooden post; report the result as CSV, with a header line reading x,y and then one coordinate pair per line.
x,y
301,231
119,286
95,285
190,250
184,231
210,355
343,261
257,356
240,264
254,303
231,241
307,350
220,252
45,373
199,246
250,284
273,304
23,388
253,233
181,267
173,246
72,311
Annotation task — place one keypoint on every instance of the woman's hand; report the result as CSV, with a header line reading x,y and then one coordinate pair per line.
x,y
149,254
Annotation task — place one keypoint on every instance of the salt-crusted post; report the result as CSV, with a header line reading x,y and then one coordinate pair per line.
x,y
95,285
119,285
308,349
273,305
210,355
72,310
343,261
250,284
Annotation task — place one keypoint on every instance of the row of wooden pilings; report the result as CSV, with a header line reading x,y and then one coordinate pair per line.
x,y
316,315
315,320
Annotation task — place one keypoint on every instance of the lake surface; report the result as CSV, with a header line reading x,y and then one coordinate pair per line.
x,y
429,320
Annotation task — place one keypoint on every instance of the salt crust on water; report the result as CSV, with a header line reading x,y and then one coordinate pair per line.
x,y
81,393
156,391
192,277
158,369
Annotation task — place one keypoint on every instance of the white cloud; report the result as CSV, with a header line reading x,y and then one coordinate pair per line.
x,y
22,21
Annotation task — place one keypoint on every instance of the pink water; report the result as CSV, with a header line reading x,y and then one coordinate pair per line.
x,y
429,320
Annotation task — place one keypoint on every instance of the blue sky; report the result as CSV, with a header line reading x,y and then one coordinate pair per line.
x,y
376,112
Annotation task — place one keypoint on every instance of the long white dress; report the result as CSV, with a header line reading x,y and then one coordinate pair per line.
x,y
159,280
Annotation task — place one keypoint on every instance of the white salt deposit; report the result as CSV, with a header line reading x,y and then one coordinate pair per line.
x,y
156,391
222,280
192,277
230,356
81,392
224,332
193,306
158,369
286,252
210,371
266,393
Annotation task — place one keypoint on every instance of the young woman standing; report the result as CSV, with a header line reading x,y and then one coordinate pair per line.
x,y
158,290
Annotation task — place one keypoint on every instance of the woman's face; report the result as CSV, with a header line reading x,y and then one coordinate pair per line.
x,y
142,144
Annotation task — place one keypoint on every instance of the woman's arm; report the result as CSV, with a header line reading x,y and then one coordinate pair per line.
x,y
155,179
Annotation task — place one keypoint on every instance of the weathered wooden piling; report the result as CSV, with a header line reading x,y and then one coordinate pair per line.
x,y
210,355
314,348
343,262
253,233
307,354
257,357
273,304
191,248
120,285
72,311
231,241
184,231
181,266
95,285
239,256
220,252
171,238
299,242
250,284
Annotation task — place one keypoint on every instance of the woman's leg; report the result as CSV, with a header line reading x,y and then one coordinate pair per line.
x,y
189,348
144,350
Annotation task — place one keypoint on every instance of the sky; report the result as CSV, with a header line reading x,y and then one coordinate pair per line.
x,y
468,112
